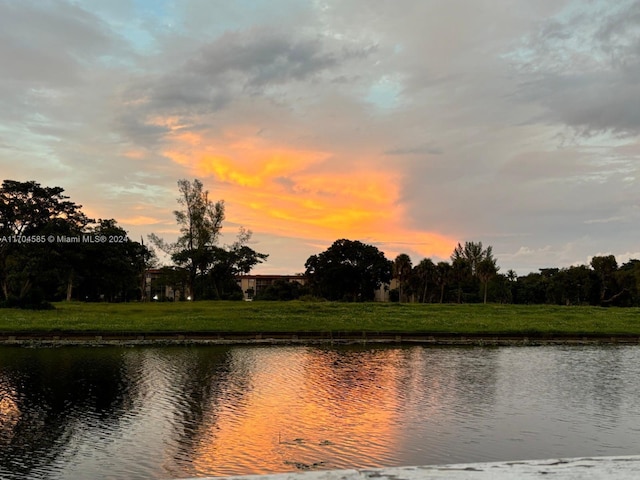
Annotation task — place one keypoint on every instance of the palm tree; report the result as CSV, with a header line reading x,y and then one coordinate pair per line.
x,y
474,261
473,253
443,274
426,272
461,270
402,271
486,270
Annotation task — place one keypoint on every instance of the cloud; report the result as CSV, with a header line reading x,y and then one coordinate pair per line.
x,y
44,45
583,70
239,64
279,190
411,128
140,220
418,150
604,220
532,259
627,256
263,57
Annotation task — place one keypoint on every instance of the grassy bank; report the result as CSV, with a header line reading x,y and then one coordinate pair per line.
x,y
250,317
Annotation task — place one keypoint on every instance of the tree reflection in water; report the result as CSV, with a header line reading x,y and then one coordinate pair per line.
x,y
170,412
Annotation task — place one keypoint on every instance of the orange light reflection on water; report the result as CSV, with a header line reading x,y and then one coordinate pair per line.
x,y
9,414
308,410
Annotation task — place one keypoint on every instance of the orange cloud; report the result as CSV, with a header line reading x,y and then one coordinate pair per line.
x,y
139,220
135,154
292,192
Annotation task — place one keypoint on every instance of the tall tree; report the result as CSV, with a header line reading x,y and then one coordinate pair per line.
x,y
467,260
200,223
111,269
443,276
29,214
473,253
425,274
461,272
605,268
401,272
231,261
209,267
512,278
628,277
486,270
145,259
348,270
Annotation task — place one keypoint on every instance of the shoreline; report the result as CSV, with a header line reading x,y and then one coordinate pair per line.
x,y
617,467
97,338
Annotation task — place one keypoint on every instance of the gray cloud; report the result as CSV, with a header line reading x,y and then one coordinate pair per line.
x,y
584,71
262,57
418,150
241,63
45,44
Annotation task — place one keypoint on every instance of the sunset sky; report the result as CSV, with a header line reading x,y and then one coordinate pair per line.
x,y
409,125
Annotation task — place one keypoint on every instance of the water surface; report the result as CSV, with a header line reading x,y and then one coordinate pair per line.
x,y
126,413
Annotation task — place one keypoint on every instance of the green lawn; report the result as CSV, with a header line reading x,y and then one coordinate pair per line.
x,y
257,317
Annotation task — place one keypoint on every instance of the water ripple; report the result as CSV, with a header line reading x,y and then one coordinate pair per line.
x,y
185,412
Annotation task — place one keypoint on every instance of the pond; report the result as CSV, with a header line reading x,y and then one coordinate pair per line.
x,y
172,412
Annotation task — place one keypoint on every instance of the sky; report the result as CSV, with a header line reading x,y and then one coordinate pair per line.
x,y
408,125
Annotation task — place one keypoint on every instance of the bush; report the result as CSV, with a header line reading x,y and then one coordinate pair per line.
x,y
394,295
235,296
34,300
282,290
311,298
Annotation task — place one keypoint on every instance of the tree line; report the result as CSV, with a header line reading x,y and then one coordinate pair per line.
x,y
353,271
50,251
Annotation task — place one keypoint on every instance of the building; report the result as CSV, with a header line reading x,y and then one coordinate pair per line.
x,y
252,285
382,293
158,286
